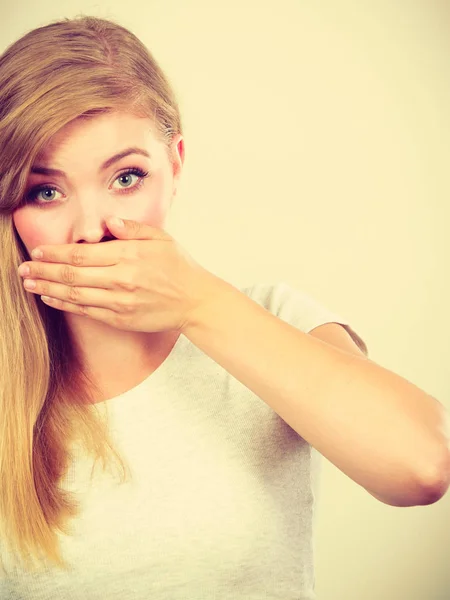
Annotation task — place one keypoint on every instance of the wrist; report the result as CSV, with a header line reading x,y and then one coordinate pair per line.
x,y
210,291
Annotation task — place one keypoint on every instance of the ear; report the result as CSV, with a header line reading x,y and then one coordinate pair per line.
x,y
177,151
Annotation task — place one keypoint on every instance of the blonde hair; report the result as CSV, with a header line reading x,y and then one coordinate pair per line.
x,y
68,69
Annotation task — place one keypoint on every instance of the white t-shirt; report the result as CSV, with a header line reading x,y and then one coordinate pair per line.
x,y
221,500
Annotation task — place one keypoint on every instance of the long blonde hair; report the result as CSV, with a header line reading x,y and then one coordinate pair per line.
x,y
72,68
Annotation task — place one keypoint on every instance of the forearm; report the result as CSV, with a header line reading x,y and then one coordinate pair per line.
x,y
378,428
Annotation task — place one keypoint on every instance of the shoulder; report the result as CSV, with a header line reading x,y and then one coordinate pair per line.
x,y
302,310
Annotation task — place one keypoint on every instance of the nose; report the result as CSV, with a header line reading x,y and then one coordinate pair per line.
x,y
91,231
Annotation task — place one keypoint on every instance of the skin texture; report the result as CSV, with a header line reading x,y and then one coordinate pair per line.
x,y
77,211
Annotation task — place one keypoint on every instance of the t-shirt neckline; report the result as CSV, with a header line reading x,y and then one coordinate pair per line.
x,y
154,377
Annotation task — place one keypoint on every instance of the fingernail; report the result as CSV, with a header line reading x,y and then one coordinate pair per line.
x,y
24,270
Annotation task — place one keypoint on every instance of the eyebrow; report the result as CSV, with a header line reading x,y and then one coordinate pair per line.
x,y
41,170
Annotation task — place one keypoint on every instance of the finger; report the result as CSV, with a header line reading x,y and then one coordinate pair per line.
x,y
94,277
104,315
80,255
101,298
104,254
137,230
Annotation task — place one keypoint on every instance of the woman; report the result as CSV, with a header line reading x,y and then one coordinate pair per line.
x,y
210,398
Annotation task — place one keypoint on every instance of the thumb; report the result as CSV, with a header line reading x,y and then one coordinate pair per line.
x,y
126,229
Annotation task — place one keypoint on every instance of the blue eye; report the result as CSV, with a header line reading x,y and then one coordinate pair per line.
x,y
134,171
32,196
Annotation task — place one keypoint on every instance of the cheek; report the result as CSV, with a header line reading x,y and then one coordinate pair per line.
x,y
154,212
34,230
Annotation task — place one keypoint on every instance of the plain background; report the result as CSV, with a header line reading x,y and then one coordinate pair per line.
x,y
317,152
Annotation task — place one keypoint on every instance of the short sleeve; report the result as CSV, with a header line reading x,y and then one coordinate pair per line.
x,y
298,308
304,312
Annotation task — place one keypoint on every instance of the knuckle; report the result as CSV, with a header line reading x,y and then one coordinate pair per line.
x,y
37,272
76,256
118,306
67,274
127,281
139,251
120,321
73,294
130,305
130,286
126,305
44,289
83,310
129,253
136,227
126,250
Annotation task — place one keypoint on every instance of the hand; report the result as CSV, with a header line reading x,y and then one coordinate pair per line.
x,y
143,281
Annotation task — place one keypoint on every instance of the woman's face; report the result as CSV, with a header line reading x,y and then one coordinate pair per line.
x,y
72,206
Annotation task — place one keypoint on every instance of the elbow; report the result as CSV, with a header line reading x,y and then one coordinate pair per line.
x,y
424,489
436,482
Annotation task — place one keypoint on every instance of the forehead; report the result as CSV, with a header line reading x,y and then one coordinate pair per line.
x,y
99,136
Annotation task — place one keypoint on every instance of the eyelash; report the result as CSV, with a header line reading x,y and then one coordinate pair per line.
x,y
31,196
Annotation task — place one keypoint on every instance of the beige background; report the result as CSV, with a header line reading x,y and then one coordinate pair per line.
x,y
317,152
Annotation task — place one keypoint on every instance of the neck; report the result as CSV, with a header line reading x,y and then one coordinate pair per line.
x,y
118,360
